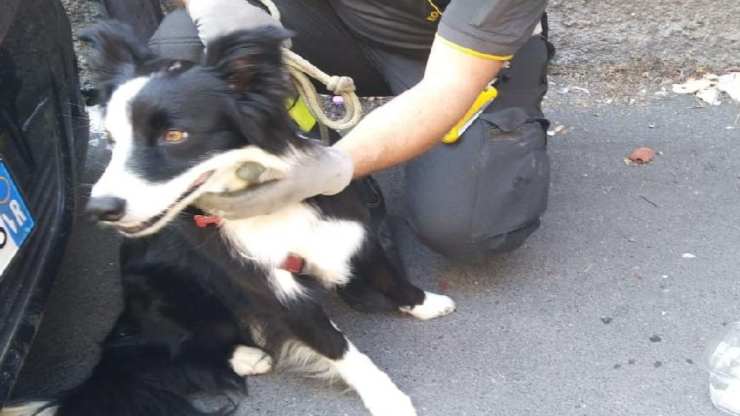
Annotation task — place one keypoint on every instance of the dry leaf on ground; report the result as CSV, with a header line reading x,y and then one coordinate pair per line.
x,y
641,155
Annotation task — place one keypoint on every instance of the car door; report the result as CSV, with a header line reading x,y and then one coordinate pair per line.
x,y
43,134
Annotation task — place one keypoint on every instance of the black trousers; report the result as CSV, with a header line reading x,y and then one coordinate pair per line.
x,y
479,196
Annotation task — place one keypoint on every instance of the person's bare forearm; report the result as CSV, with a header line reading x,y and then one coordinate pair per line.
x,y
402,129
416,120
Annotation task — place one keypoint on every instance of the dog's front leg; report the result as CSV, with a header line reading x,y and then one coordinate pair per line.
x,y
381,397
377,391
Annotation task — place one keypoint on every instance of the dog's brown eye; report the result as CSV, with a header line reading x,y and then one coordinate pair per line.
x,y
175,136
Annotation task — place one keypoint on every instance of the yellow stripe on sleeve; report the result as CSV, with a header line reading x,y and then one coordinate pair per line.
x,y
473,52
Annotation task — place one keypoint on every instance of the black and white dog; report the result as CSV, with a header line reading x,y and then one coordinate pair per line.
x,y
202,301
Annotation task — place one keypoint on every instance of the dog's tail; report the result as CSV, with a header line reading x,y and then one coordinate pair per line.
x,y
136,380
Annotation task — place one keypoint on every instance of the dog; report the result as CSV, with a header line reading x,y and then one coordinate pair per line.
x,y
209,304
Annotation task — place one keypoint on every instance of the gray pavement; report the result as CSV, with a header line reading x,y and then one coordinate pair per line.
x,y
599,314
530,335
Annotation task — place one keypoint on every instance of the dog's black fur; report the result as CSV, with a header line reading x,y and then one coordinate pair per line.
x,y
173,339
189,301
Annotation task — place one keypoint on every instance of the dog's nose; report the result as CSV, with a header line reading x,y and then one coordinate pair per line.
x,y
106,208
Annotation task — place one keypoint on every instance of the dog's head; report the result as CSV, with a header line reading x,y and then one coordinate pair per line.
x,y
179,128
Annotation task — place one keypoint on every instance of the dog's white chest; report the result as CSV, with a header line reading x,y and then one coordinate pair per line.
x,y
327,245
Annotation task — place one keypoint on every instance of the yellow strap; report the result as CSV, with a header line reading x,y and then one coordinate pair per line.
x,y
473,52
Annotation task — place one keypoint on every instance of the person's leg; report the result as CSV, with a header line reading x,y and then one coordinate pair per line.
x,y
177,38
484,194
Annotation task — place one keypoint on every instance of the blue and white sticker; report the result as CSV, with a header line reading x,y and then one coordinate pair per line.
x,y
16,222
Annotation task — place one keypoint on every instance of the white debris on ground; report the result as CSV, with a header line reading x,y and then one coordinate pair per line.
x,y
710,87
557,130
568,89
728,398
724,387
709,96
730,84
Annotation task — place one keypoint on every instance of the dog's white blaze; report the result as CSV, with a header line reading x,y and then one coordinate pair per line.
x,y
118,111
116,180
377,391
327,245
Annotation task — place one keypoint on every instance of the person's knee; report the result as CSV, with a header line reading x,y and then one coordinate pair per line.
x,y
445,234
455,238
177,38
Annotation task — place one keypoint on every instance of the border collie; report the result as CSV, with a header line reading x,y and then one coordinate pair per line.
x,y
205,305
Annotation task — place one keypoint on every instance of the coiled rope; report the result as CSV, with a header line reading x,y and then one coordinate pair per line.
x,y
300,70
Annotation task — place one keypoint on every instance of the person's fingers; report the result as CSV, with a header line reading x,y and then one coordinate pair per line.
x,y
334,169
259,200
216,18
319,170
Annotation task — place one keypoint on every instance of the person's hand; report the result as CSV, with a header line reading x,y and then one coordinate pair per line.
x,y
216,18
319,171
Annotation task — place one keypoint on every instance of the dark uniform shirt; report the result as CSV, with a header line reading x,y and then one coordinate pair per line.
x,y
492,29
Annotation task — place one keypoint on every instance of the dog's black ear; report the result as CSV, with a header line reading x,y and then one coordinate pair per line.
x,y
249,58
117,52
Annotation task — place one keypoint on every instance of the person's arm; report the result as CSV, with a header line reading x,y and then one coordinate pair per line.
x,y
404,128
474,38
465,57
415,121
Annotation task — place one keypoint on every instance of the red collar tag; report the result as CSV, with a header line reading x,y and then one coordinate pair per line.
x,y
294,264
203,221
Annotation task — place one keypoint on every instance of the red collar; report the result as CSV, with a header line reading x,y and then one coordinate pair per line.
x,y
293,263
203,221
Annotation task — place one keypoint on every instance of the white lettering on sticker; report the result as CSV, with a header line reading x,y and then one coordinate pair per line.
x,y
20,216
10,223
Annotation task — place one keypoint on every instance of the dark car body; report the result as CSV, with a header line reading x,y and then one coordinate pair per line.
x,y
43,137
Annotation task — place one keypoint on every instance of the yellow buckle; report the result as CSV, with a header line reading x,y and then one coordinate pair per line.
x,y
481,103
300,113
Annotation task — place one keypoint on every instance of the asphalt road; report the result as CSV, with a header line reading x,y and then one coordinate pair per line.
x,y
599,314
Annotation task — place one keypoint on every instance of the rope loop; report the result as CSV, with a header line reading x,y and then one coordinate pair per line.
x,y
340,85
300,69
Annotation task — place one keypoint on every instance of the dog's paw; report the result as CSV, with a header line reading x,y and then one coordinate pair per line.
x,y
392,404
434,306
249,361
